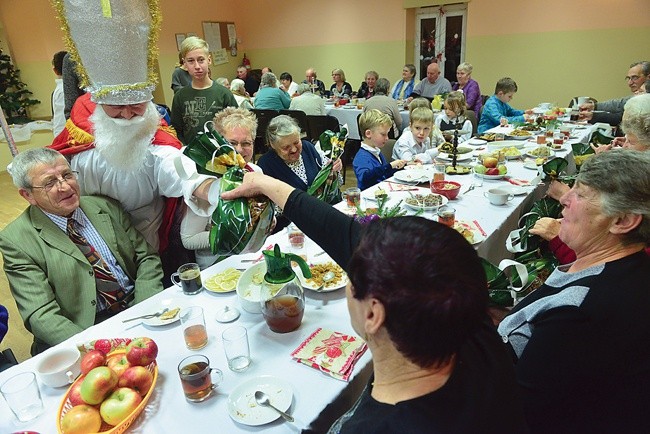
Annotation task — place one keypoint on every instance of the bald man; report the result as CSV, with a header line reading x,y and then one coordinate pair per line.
x,y
433,85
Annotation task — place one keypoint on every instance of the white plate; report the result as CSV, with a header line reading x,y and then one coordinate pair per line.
x,y
476,142
477,236
459,157
531,165
495,146
444,201
528,150
412,175
515,189
336,285
349,106
242,407
484,176
157,322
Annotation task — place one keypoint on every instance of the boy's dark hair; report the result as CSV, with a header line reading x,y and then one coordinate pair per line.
x,y
505,85
57,62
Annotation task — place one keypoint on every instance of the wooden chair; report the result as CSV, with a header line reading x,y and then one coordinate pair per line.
x,y
318,124
263,119
301,117
469,114
387,150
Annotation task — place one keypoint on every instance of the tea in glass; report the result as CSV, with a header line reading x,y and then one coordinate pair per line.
x,y
447,216
196,378
189,278
194,331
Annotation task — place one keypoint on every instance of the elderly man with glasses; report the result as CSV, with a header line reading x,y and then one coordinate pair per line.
x,y
612,109
71,261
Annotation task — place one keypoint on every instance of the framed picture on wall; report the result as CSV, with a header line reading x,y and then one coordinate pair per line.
x,y
180,37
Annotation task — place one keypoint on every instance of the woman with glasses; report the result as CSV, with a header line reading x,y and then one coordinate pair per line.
x,y
238,126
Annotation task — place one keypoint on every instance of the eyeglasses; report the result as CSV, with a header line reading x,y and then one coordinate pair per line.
x,y
244,144
67,177
632,78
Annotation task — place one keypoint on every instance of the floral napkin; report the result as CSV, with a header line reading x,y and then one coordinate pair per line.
x,y
331,352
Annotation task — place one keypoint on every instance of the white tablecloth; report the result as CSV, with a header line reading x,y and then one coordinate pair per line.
x,y
169,412
348,115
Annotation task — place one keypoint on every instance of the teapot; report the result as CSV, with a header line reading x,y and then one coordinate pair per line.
x,y
282,296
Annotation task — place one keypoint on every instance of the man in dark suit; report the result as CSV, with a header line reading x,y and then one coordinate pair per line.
x,y
62,284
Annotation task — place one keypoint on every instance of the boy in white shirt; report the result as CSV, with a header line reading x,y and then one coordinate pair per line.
x,y
414,145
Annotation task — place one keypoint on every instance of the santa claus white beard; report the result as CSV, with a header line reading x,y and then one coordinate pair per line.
x,y
124,143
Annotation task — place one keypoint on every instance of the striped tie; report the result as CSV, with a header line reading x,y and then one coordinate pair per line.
x,y
108,289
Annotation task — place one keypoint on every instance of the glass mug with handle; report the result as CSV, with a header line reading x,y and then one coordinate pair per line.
x,y
188,277
197,377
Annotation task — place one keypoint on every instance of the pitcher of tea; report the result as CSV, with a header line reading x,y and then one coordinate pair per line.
x,y
281,295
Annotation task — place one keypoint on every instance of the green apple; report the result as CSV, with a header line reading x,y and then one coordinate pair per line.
x,y
480,169
119,405
502,169
97,384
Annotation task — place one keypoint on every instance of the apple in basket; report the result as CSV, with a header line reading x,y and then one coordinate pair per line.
x,y
490,162
81,419
138,378
75,394
119,405
91,360
141,351
97,384
119,364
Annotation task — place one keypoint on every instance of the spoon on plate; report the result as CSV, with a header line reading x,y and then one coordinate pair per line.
x,y
326,278
263,399
149,316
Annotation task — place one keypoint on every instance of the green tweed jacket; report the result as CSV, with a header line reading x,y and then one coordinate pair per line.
x,y
51,280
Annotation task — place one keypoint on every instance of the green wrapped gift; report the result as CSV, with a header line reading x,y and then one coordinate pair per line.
x,y
327,185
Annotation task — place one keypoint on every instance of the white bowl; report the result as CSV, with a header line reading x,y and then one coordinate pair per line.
x,y
249,292
59,367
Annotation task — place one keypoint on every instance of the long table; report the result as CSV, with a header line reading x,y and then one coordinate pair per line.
x,y
318,399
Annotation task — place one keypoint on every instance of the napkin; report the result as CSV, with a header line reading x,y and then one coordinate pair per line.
x,y
330,352
394,186
519,182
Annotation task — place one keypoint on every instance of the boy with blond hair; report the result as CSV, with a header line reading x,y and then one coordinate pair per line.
x,y
497,111
370,165
414,145
194,105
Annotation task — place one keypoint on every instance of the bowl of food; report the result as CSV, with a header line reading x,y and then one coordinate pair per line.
x,y
249,287
449,189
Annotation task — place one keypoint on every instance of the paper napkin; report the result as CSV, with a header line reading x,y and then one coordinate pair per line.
x,y
331,352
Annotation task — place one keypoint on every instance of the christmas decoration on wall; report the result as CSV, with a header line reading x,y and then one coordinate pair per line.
x,y
14,95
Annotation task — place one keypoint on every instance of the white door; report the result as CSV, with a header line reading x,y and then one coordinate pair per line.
x,y
441,35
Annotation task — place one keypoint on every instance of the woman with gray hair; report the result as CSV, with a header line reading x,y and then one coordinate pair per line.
x,y
290,159
385,104
238,89
270,97
469,87
580,341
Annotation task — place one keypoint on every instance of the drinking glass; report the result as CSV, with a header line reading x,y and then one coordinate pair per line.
x,y
236,347
189,276
196,378
23,396
193,324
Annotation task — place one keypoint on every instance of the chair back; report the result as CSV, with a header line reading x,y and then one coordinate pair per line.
x,y
387,150
469,114
263,119
301,117
318,124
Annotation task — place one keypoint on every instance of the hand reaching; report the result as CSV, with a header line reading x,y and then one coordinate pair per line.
x,y
546,228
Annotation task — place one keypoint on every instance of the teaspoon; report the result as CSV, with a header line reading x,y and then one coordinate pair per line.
x,y
263,399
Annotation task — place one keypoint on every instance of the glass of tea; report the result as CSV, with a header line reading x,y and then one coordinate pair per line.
x,y
439,172
188,277
193,325
352,197
197,377
296,236
447,216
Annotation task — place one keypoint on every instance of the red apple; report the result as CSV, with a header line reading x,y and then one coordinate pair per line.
x,y
490,162
75,394
119,405
138,378
118,364
103,345
98,384
92,359
141,351
492,171
81,419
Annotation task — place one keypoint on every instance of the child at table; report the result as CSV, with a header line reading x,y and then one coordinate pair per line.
x,y
454,113
415,145
370,165
496,109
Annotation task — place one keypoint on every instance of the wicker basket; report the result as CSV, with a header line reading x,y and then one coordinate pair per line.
x,y
126,423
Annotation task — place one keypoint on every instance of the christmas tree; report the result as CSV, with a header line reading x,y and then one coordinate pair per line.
x,y
14,95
